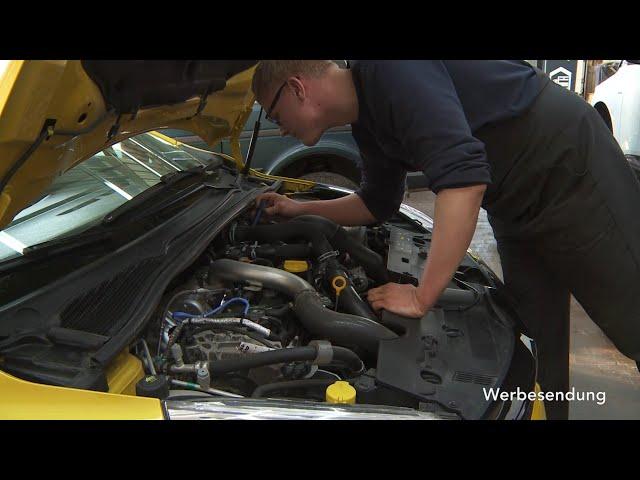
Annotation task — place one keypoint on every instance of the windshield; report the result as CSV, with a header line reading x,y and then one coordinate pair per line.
x,y
83,195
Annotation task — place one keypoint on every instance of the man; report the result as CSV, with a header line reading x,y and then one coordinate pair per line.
x,y
558,191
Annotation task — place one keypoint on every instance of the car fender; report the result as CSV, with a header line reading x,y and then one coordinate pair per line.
x,y
607,94
620,94
323,147
629,138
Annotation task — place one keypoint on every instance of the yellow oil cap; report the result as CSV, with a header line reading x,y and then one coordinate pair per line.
x,y
341,392
296,266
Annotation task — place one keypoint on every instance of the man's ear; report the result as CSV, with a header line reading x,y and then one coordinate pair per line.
x,y
297,87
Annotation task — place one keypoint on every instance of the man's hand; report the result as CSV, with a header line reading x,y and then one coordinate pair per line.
x,y
276,204
401,299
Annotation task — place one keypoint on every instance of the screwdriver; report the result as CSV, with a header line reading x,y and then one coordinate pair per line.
x,y
259,210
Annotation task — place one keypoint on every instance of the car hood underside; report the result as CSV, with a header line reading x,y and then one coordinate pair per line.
x,y
55,114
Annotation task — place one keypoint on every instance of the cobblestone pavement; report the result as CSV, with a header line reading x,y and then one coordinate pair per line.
x,y
595,364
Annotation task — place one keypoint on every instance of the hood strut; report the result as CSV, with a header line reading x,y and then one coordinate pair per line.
x,y
252,144
45,133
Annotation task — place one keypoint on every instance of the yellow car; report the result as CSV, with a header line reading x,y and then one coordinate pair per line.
x,y
138,281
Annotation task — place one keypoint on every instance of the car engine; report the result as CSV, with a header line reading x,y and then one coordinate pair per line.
x,y
278,310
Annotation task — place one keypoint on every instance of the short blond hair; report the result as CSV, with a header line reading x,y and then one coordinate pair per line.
x,y
269,73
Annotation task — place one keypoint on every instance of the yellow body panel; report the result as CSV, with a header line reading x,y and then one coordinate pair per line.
x,y
538,412
123,374
21,400
36,90
290,184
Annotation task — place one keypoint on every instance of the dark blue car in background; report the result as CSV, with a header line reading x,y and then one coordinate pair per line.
x,y
334,159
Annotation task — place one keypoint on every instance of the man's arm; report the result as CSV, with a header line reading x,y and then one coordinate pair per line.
x,y
347,211
455,221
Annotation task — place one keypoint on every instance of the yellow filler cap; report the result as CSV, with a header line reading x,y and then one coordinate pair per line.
x,y
341,392
296,266
338,283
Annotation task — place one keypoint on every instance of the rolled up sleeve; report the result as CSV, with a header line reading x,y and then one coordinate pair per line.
x,y
422,110
382,188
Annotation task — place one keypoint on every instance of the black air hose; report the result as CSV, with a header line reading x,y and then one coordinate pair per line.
x,y
284,251
286,232
316,235
373,264
340,240
349,300
339,328
284,355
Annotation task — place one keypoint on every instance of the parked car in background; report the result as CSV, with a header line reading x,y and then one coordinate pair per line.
x,y
617,100
334,159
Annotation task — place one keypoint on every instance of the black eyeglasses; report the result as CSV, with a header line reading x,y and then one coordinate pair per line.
x,y
274,103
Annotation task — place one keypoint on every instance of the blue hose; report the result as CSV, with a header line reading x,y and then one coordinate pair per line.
x,y
259,212
182,315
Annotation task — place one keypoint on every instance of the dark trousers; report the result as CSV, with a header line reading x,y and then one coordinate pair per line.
x,y
572,226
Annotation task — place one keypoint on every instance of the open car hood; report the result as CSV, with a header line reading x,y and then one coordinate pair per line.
x,y
56,113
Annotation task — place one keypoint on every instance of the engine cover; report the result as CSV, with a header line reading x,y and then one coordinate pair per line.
x,y
447,358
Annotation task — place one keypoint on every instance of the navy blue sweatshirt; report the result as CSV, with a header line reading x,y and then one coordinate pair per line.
x,y
421,115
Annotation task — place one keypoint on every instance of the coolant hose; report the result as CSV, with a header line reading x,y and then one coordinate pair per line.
x,y
339,328
286,232
284,355
283,251
340,240
349,300
324,236
316,234
457,298
373,264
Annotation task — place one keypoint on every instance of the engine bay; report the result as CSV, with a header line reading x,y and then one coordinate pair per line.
x,y
213,304
278,309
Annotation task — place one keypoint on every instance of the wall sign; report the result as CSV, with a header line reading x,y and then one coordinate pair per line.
x,y
562,72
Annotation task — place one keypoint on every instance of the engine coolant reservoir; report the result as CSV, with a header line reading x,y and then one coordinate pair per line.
x,y
341,392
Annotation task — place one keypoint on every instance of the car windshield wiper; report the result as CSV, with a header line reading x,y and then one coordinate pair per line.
x,y
53,248
100,233
167,183
173,177
69,242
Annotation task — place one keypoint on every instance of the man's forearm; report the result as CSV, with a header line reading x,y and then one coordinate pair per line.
x,y
347,211
456,215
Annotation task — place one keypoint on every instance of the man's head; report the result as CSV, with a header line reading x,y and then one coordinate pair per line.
x,y
296,95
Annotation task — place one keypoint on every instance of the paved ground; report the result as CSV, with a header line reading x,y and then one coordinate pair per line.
x,y
595,364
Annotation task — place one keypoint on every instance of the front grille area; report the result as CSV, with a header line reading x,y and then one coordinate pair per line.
x,y
468,377
101,310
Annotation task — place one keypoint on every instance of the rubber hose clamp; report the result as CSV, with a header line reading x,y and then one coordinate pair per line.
x,y
324,352
328,255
